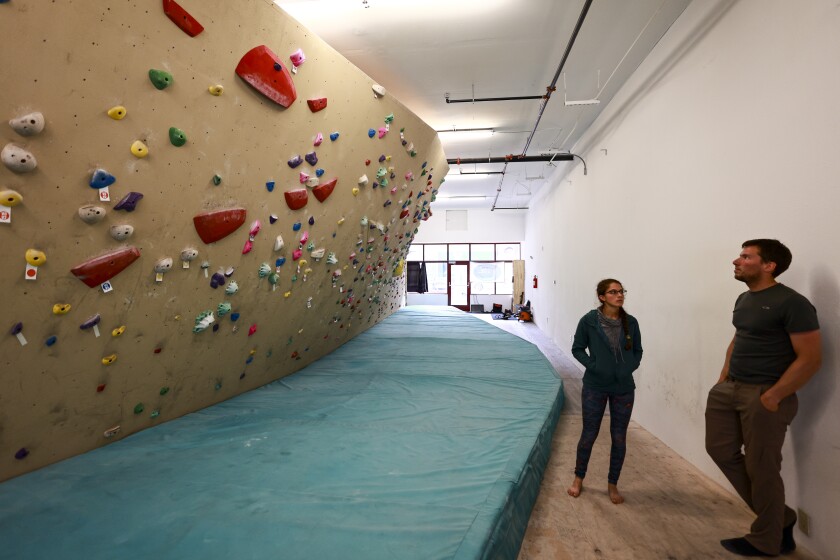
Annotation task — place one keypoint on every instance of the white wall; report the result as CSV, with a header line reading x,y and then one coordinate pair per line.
x,y
483,226
728,131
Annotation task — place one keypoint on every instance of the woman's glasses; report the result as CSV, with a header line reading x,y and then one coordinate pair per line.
x,y
616,292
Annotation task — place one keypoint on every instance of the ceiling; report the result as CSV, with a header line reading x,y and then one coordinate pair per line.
x,y
422,51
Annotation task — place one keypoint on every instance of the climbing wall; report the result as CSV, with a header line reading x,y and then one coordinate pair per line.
x,y
198,198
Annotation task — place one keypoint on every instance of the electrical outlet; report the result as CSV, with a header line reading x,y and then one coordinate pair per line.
x,y
804,522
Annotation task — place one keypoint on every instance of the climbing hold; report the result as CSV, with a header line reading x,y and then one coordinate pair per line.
x,y
371,133
269,186
232,288
163,265
265,270
256,226
161,79
311,220
187,255
108,360
252,329
118,331
334,136
319,172
91,214
304,237
203,320
378,91
61,308
272,218
223,309
91,322
295,161
340,221
218,224
297,58
273,278
383,131
129,201
100,179
389,118
303,177
139,149
117,112
280,261
154,414
324,190
319,138
119,232
177,136
278,243
317,104
296,199
229,271
28,125
111,432
216,90
247,247
318,254
17,331
164,390
217,180
21,453
218,279
311,158
138,408
97,270
35,257
296,254
355,191
17,159
296,226
10,198
51,340
182,18
287,294
363,180
262,70
312,182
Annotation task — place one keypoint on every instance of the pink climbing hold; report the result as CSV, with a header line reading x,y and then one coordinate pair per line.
x,y
248,246
252,330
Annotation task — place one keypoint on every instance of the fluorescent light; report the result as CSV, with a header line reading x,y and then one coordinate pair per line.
x,y
463,134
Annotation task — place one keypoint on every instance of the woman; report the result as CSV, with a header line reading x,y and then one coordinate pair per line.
x,y
608,343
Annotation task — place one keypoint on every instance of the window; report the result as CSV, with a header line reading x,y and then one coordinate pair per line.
x,y
434,252
460,252
483,252
491,265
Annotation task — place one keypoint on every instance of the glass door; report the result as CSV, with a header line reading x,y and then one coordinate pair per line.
x,y
459,284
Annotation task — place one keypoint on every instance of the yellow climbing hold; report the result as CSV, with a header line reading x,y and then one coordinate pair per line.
x,y
139,149
341,221
117,113
355,191
35,257
118,331
10,198
61,308
253,351
287,294
216,90
108,360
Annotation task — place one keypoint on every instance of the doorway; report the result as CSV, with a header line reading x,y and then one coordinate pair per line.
x,y
459,284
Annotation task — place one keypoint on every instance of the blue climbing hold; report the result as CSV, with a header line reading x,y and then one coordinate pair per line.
x,y
269,185
280,261
234,316
371,133
51,340
334,136
101,179
296,226
319,172
249,360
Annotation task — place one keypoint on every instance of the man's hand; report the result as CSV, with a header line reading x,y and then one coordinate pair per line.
x,y
769,402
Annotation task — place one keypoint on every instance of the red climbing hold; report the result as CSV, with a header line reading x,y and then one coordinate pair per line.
x,y
263,70
296,199
218,224
316,105
182,18
97,270
324,190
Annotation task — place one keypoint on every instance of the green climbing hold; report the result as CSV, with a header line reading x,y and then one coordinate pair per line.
x,y
154,414
164,390
217,180
177,137
389,119
218,385
161,79
139,408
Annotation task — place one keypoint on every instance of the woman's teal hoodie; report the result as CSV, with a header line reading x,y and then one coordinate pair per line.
x,y
604,370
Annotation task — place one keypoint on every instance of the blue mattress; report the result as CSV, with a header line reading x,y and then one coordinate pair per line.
x,y
424,437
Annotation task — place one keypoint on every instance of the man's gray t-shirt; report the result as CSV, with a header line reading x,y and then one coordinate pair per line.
x,y
763,323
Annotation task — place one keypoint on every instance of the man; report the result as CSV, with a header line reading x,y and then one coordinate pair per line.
x,y
775,351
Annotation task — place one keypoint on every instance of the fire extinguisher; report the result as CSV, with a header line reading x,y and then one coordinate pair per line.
x,y
535,280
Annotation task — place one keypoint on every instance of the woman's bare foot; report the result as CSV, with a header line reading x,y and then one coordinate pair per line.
x,y
576,487
615,497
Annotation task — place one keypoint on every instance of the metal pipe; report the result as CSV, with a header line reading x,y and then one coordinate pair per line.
x,y
474,100
510,158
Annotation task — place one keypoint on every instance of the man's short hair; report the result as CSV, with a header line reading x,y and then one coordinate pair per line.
x,y
772,250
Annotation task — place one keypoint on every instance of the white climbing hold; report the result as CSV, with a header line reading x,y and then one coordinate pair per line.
x,y
28,125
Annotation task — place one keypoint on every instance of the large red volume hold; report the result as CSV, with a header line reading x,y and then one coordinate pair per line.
x,y
218,224
296,199
324,190
263,70
182,18
97,270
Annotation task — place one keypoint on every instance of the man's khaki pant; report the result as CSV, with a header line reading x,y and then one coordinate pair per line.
x,y
735,418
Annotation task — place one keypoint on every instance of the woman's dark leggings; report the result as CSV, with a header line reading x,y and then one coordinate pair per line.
x,y
594,403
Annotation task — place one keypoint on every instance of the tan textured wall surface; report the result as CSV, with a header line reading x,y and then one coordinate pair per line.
x,y
72,61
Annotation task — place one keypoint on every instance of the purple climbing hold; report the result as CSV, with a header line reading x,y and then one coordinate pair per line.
x,y
375,184
91,322
215,327
295,161
381,158
311,220
218,279
387,203
101,179
269,185
21,453
311,158
272,218
129,201
17,328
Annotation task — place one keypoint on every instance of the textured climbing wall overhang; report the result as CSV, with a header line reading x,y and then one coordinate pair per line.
x,y
212,206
